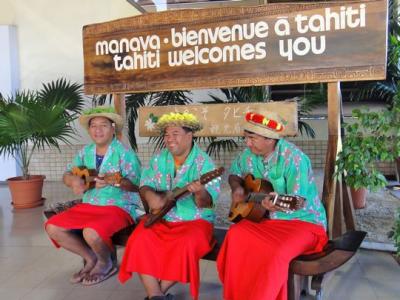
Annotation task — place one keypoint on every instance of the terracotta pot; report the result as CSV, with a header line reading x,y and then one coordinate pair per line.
x,y
26,193
359,197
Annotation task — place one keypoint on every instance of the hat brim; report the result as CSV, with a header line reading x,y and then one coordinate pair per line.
x,y
116,118
261,130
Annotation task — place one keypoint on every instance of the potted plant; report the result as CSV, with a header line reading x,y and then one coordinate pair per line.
x,y
31,121
373,137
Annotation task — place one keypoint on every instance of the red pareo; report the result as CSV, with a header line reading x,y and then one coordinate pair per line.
x,y
105,220
168,251
262,251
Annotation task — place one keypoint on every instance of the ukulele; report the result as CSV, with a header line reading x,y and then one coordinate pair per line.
x,y
176,193
89,175
257,190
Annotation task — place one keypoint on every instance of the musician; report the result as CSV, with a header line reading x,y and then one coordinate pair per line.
x,y
169,251
86,228
264,250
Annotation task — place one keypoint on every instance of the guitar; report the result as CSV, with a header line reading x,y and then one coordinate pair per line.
x,y
258,190
176,193
89,175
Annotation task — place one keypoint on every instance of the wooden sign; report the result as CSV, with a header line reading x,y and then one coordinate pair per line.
x,y
146,3
221,119
237,46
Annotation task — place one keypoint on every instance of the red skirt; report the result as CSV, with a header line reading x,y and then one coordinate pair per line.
x,y
168,251
263,252
105,220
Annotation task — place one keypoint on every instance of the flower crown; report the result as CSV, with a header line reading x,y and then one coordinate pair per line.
x,y
187,120
261,120
99,110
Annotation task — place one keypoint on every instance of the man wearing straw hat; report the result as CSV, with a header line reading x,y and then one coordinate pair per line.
x,y
169,251
264,250
86,228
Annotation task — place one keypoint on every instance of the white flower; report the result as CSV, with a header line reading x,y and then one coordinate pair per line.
x,y
149,124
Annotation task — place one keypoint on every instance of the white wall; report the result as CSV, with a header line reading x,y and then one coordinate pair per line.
x,y
50,34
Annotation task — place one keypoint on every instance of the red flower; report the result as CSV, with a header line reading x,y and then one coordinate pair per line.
x,y
272,124
258,118
248,116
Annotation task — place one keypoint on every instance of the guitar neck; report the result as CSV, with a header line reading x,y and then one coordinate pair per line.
x,y
285,202
108,178
90,178
179,192
258,197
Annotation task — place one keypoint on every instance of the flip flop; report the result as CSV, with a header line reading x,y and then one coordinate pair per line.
x,y
93,279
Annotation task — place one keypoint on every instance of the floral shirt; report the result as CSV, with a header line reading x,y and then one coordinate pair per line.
x,y
160,175
289,171
117,159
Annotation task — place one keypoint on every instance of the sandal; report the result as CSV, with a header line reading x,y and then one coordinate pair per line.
x,y
92,279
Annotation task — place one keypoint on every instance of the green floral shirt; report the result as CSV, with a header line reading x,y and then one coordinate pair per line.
x,y
289,171
118,158
160,175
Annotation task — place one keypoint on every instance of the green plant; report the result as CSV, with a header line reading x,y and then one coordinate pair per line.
x,y
33,120
373,137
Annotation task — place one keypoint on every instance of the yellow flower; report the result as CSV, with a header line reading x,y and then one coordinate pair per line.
x,y
179,119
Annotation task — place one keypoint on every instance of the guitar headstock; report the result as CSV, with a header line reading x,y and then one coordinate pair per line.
x,y
289,203
207,177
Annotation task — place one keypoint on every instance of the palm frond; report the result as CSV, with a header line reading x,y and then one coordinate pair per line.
x,y
60,90
158,141
101,99
394,17
305,128
133,102
170,98
242,94
221,145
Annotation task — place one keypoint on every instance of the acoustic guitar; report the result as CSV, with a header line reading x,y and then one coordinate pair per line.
x,y
89,175
257,190
177,193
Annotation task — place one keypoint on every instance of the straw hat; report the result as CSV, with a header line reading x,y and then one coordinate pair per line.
x,y
178,119
101,111
266,125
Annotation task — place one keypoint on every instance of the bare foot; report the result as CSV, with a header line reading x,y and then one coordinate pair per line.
x,y
102,267
87,267
100,272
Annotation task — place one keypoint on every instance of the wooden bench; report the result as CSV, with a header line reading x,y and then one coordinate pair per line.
x,y
335,254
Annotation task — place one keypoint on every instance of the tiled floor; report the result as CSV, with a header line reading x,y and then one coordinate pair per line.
x,y
30,267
